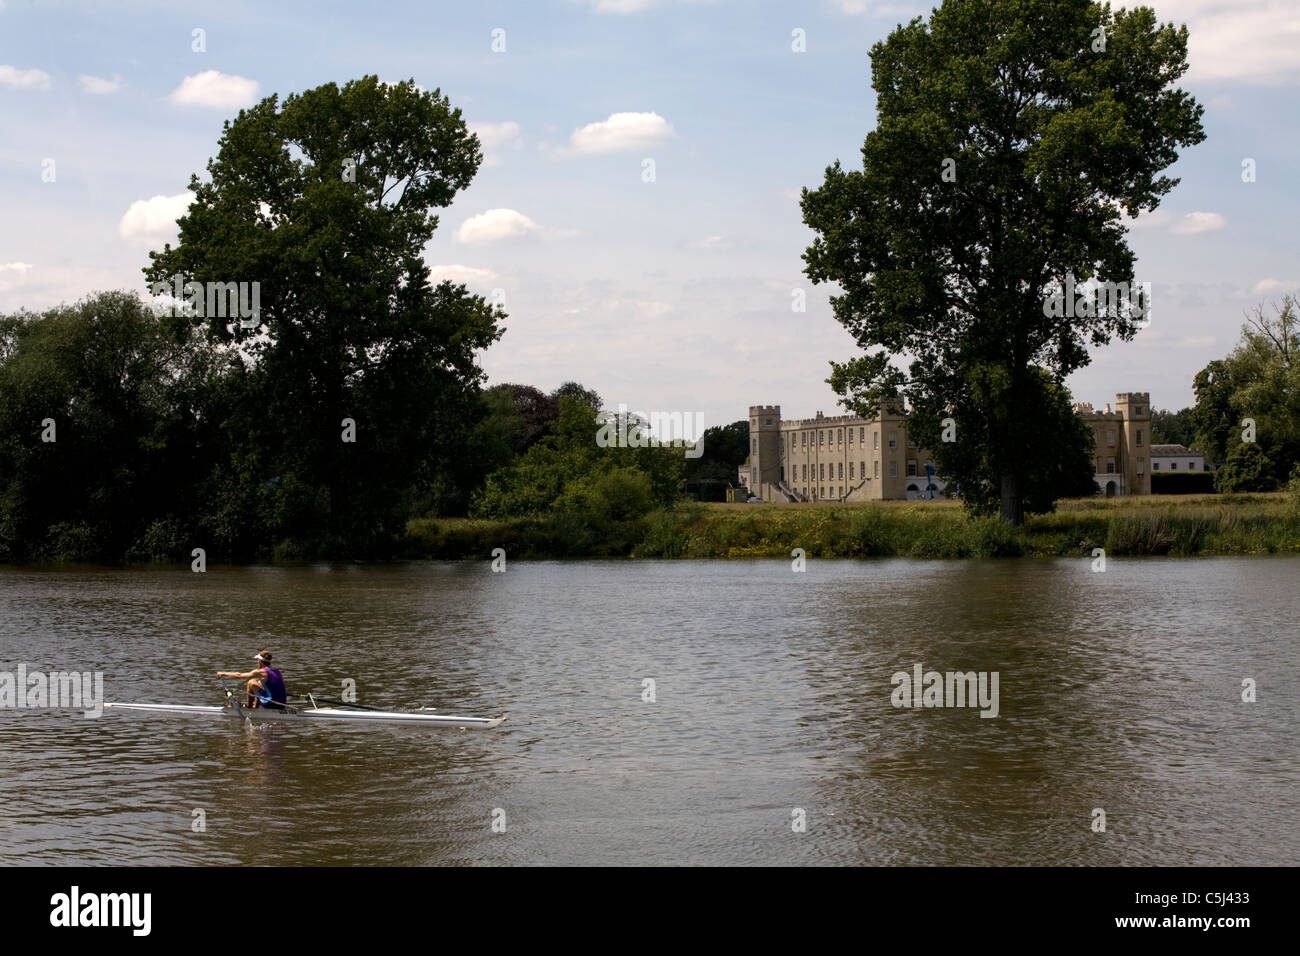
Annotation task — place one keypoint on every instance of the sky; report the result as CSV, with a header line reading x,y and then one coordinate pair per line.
x,y
670,292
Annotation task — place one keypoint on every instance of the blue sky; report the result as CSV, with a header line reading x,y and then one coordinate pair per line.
x,y
666,295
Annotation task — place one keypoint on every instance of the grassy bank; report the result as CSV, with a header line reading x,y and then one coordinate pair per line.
x,y
1156,525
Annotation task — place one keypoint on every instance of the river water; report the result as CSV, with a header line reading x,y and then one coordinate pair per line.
x,y
771,738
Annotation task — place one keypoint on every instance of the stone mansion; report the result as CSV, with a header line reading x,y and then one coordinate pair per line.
x,y
850,458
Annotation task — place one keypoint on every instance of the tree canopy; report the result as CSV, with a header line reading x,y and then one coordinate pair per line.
x,y
360,377
1010,139
1252,396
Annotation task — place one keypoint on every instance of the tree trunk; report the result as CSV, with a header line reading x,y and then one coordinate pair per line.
x,y
1013,511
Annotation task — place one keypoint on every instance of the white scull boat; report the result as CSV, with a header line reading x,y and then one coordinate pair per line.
x,y
318,714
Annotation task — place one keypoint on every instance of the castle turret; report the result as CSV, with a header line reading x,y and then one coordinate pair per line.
x,y
764,449
1135,410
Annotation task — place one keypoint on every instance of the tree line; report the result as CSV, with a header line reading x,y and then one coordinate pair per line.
x,y
1246,417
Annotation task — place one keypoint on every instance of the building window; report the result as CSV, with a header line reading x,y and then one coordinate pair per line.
x,y
1110,466
875,438
893,469
805,472
841,469
850,436
754,442
821,438
1142,466
877,468
821,472
911,469
893,439
1138,410
1110,437
1155,466
1173,466
850,466
1139,438
862,435
767,421
1191,466
863,472
839,436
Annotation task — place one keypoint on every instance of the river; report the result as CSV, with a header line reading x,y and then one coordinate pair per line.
x,y
688,712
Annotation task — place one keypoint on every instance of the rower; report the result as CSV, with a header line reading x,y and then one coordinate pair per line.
x,y
265,684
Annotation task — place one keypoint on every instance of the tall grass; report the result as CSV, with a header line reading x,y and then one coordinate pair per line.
x,y
1182,525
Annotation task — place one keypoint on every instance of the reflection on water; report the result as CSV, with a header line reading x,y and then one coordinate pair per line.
x,y
1119,691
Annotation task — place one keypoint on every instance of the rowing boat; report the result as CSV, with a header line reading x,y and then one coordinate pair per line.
x,y
312,714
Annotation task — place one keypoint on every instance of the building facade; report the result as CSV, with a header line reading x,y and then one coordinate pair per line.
x,y
1177,458
1121,444
840,458
850,458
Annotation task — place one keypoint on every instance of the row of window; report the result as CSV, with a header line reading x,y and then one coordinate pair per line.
x,y
1110,438
819,471
828,436
836,492
1141,466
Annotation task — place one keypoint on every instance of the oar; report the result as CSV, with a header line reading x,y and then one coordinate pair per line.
x,y
329,700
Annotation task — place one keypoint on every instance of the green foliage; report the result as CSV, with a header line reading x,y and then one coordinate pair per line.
x,y
1050,139
1173,428
351,327
568,471
127,423
1237,524
1258,380
1247,469
726,448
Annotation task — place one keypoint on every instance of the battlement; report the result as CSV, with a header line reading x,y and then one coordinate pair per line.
x,y
771,411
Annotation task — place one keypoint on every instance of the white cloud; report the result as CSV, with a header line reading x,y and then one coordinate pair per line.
x,y
886,11
711,244
620,6
96,85
1195,342
1197,222
1255,41
621,131
639,308
23,79
215,90
495,137
1265,286
493,225
154,218
18,267
463,275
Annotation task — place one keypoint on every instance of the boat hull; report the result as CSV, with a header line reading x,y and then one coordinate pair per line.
x,y
318,715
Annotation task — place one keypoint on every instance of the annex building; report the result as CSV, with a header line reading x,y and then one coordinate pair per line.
x,y
851,458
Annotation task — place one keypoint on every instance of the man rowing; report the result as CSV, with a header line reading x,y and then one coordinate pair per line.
x,y
265,685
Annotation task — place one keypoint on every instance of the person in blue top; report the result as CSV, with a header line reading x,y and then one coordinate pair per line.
x,y
265,683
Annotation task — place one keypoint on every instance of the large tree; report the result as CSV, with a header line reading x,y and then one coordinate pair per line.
x,y
1011,138
327,201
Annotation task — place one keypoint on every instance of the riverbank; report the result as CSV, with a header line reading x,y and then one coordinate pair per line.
x,y
1154,525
